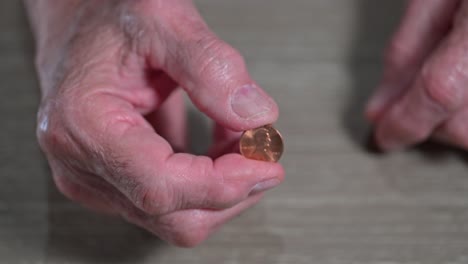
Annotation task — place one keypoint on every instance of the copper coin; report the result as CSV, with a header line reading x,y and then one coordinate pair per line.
x,y
263,143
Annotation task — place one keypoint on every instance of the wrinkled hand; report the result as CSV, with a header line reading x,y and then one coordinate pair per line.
x,y
424,91
105,71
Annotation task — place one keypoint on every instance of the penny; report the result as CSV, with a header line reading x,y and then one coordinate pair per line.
x,y
264,143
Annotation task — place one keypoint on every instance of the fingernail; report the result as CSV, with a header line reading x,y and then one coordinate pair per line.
x,y
265,186
248,102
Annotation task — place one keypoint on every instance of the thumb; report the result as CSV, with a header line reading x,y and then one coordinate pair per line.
x,y
215,75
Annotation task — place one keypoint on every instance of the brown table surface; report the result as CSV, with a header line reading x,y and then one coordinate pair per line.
x,y
340,204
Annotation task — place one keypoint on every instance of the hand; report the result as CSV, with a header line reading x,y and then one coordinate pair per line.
x,y
106,68
424,91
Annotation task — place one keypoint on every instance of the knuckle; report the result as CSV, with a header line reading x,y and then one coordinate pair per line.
x,y
150,201
216,57
202,164
440,90
52,124
227,196
106,122
117,123
66,187
187,232
48,138
52,136
222,193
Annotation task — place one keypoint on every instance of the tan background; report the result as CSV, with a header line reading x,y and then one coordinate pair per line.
x,y
340,204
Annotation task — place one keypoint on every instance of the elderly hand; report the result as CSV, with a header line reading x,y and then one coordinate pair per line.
x,y
424,91
106,68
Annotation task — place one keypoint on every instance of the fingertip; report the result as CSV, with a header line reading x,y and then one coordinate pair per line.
x,y
387,138
371,113
376,105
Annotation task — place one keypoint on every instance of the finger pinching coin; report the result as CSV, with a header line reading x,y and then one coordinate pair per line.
x,y
264,144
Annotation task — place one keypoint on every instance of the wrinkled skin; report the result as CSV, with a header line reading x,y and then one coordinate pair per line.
x,y
106,69
424,91
112,124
